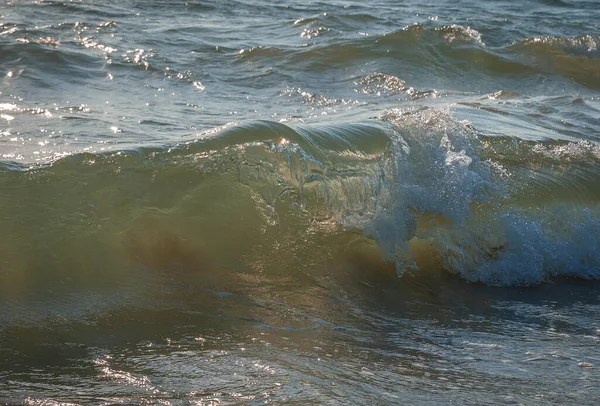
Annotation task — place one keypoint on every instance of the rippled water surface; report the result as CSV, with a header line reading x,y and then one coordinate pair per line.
x,y
241,202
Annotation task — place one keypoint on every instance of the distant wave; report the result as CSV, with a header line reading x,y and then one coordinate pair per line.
x,y
454,49
571,57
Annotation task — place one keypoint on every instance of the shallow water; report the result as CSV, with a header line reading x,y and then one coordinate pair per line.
x,y
318,202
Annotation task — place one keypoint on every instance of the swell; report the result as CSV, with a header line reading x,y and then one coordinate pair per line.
x,y
46,64
575,57
428,190
69,9
454,50
452,53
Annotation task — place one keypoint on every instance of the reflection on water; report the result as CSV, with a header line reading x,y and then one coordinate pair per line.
x,y
348,331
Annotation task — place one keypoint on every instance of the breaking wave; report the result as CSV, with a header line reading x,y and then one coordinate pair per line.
x,y
429,191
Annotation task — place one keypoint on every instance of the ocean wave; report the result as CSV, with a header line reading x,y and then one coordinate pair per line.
x,y
576,58
111,11
453,49
51,54
449,33
432,193
580,45
45,62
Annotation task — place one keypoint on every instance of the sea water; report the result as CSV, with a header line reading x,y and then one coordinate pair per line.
x,y
249,202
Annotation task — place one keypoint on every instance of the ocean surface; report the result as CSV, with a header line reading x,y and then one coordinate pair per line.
x,y
299,202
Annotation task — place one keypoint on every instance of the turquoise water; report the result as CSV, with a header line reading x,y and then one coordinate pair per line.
x,y
319,202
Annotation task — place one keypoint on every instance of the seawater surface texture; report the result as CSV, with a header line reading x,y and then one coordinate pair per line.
x,y
318,202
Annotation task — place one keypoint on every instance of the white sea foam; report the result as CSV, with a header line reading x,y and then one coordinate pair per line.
x,y
433,170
